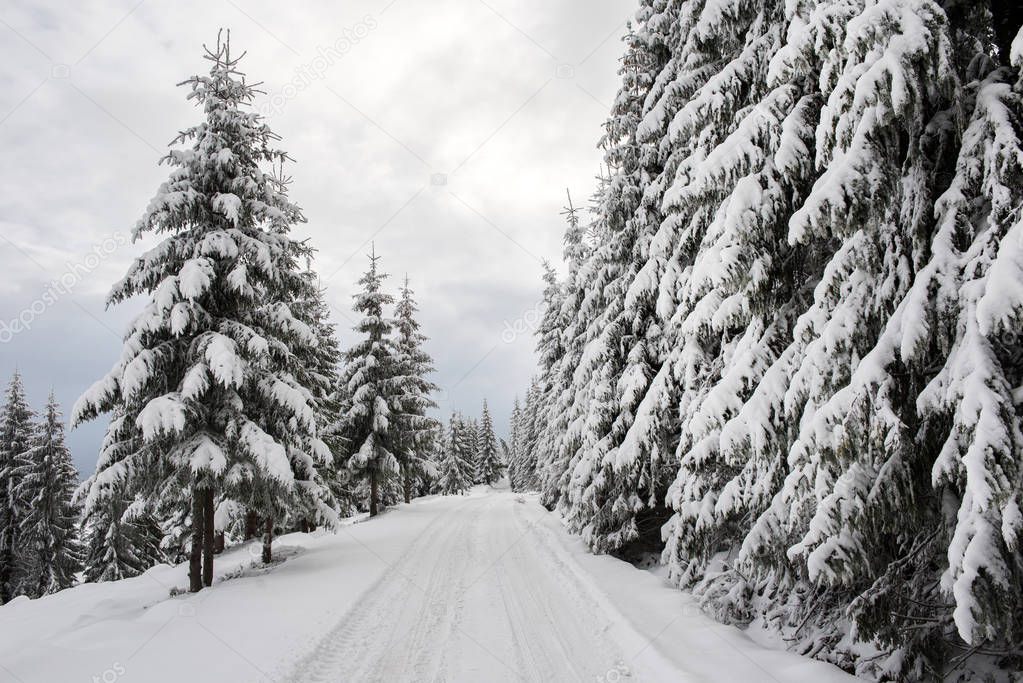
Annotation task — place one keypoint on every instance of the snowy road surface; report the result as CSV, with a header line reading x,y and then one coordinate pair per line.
x,y
477,595
484,587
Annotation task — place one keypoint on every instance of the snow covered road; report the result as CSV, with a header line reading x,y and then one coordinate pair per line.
x,y
466,588
477,596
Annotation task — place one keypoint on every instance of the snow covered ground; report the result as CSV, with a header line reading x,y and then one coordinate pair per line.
x,y
466,588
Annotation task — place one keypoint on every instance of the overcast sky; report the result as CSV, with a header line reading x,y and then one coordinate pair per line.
x,y
445,131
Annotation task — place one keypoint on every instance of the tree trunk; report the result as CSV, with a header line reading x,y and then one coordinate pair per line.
x,y
207,541
251,524
374,493
195,554
408,486
6,565
268,539
218,543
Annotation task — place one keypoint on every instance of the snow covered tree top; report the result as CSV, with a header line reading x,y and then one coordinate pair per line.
x,y
226,197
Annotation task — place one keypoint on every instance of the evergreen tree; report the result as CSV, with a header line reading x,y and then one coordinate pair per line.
x,y
489,465
122,540
466,439
566,309
506,455
455,470
372,380
49,549
415,429
549,347
123,536
210,384
344,484
430,460
471,447
17,432
529,462
320,492
514,455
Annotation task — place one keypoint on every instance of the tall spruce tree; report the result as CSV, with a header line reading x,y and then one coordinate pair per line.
x,y
210,383
514,452
489,467
470,444
529,461
17,432
373,383
415,429
561,431
456,471
321,497
49,549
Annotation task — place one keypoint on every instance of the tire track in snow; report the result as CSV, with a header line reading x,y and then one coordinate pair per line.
x,y
390,633
341,652
479,595
438,609
566,620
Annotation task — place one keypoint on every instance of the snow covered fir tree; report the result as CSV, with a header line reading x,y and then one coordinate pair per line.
x,y
213,401
417,431
455,467
383,397
488,464
372,386
39,537
49,549
787,346
16,434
